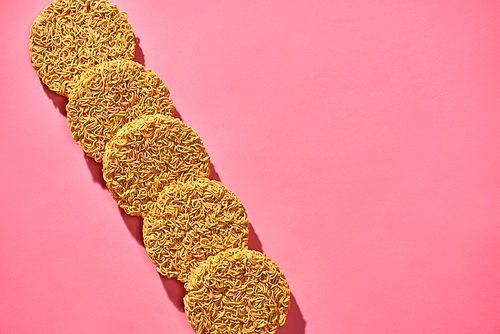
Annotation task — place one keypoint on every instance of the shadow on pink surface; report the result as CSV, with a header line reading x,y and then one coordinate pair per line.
x,y
59,101
295,323
139,55
253,240
134,225
95,169
213,173
175,291
177,115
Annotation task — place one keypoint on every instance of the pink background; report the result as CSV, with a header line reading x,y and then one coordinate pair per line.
x,y
363,137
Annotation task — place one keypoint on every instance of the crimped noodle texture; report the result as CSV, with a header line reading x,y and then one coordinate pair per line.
x,y
190,222
237,291
148,154
72,35
109,95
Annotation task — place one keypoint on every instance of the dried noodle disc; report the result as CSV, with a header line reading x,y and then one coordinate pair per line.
x,y
190,222
108,96
148,154
72,35
237,291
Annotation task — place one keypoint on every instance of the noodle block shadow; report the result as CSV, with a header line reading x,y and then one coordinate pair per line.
x,y
134,225
139,54
175,291
59,101
213,173
253,239
295,323
95,169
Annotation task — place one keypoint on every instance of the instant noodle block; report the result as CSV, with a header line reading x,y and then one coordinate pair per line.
x,y
148,154
191,221
109,95
71,35
237,291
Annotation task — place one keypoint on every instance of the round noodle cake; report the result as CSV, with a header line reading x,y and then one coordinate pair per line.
x,y
191,221
72,35
109,95
148,154
237,291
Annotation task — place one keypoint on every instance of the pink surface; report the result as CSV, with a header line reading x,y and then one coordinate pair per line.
x,y
363,137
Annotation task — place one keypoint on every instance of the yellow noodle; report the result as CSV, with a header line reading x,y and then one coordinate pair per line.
x,y
237,291
109,95
72,35
148,154
190,222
